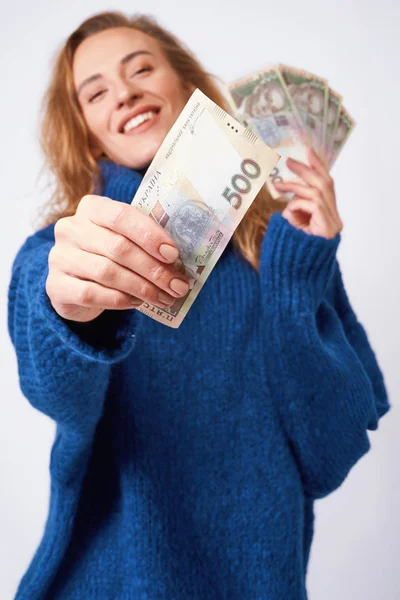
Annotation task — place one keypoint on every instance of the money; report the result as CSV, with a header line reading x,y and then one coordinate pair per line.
x,y
310,96
332,118
199,186
344,127
290,110
263,103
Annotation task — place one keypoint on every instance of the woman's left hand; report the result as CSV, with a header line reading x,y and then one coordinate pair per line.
x,y
313,208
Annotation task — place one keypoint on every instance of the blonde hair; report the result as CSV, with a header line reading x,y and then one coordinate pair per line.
x,y
64,136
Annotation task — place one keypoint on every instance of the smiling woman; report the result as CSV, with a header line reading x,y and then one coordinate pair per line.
x,y
112,91
186,461
112,68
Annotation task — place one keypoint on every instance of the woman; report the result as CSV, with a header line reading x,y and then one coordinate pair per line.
x,y
186,462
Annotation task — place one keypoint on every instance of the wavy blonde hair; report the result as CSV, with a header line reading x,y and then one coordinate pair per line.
x,y
64,136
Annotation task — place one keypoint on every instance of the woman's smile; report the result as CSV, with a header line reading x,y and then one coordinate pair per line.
x,y
145,125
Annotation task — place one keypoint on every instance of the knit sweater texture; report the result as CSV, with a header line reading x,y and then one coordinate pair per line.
x,y
186,462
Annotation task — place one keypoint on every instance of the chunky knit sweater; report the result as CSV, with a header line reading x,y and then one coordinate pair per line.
x,y
186,462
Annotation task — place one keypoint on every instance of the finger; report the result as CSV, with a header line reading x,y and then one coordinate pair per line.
x,y
130,222
307,174
319,166
298,218
307,206
88,294
101,270
317,163
315,180
301,190
120,250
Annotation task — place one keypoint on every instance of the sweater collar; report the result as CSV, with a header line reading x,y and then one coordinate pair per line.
x,y
118,181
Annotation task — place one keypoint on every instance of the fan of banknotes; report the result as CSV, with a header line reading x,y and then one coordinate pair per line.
x,y
291,109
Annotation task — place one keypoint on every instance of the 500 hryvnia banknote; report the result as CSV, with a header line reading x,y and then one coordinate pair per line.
x,y
201,182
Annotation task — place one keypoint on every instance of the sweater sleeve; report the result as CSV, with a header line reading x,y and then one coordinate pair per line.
x,y
322,371
64,367
358,339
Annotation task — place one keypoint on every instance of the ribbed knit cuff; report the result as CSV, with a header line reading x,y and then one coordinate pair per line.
x,y
295,268
109,338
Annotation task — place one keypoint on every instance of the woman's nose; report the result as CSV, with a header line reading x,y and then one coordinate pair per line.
x,y
126,91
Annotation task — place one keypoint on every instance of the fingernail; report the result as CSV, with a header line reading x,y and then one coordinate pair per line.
x,y
179,286
165,299
136,301
178,264
169,252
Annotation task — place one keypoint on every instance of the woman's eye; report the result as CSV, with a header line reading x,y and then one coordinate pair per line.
x,y
95,96
141,71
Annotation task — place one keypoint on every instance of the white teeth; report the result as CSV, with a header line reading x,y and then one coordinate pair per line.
x,y
138,120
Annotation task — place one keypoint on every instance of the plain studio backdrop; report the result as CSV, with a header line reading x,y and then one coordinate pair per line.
x,y
356,46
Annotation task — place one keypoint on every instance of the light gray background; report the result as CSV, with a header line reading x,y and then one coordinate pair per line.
x,y
356,46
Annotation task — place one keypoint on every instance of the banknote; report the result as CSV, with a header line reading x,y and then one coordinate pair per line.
x,y
344,127
332,118
201,182
263,104
310,95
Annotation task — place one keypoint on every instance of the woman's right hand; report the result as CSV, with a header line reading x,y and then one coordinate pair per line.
x,y
107,256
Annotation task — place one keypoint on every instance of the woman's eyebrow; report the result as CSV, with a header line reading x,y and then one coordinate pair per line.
x,y
123,61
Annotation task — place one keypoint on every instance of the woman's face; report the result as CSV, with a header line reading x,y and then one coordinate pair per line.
x,y
111,85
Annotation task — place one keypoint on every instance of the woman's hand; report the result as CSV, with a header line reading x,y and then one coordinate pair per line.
x,y
313,208
107,256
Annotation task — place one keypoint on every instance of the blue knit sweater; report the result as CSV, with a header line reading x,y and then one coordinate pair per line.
x,y
186,461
